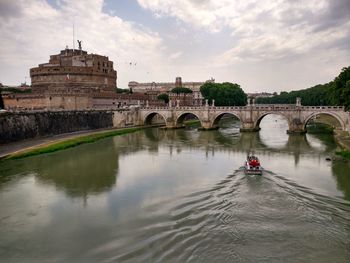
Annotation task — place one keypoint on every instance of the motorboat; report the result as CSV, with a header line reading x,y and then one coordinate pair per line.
x,y
252,165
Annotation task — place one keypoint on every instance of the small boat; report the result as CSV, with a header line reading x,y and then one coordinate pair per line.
x,y
252,165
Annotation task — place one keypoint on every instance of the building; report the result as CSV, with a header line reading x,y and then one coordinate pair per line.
x,y
74,71
156,88
260,95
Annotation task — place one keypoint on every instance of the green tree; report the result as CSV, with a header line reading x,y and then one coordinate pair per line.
x,y
118,90
2,106
164,97
224,94
181,90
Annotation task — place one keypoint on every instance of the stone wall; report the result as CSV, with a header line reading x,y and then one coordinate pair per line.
x,y
47,101
16,126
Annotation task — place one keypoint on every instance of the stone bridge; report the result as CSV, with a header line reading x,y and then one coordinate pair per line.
x,y
250,116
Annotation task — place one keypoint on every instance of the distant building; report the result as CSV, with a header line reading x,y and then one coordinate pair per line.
x,y
260,95
156,88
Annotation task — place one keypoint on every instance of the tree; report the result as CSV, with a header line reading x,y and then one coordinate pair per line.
x,y
181,90
118,90
164,97
224,94
2,106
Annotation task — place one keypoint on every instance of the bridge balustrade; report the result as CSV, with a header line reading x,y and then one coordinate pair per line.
x,y
333,108
256,107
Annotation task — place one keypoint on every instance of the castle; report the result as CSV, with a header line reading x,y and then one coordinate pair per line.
x,y
74,71
72,80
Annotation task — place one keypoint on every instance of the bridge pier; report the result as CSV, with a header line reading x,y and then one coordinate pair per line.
x,y
248,127
170,124
207,126
296,126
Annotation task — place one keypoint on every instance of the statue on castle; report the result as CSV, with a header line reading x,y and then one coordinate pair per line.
x,y
79,43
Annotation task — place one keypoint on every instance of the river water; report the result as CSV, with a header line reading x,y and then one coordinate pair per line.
x,y
179,196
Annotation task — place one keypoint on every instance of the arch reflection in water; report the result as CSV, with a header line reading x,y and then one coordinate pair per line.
x,y
225,120
273,130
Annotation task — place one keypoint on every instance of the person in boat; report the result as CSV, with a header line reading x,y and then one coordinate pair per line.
x,y
253,161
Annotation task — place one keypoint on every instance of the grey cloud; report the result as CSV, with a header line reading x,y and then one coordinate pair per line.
x,y
9,9
201,2
337,14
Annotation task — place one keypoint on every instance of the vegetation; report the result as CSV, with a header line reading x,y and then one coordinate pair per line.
x,y
126,91
224,94
318,127
164,97
336,92
61,145
344,154
2,106
16,90
192,122
181,90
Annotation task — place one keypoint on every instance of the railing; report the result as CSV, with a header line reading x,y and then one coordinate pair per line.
x,y
337,108
273,107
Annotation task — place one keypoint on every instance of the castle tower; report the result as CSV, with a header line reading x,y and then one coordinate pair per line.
x,y
178,82
74,71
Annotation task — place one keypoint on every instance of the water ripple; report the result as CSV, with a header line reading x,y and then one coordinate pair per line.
x,y
220,223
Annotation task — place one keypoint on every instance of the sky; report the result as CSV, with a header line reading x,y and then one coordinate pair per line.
x,y
263,45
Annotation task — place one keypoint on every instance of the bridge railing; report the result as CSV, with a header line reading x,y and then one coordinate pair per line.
x,y
269,107
333,108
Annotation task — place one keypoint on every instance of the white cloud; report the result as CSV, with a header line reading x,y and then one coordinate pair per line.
x,y
40,30
175,55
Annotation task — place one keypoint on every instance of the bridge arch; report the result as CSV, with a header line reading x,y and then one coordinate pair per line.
x,y
260,117
219,116
149,117
335,116
181,117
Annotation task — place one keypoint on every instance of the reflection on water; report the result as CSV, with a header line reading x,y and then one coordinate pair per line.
x,y
178,196
341,171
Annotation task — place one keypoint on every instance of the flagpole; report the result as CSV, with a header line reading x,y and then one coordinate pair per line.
x,y
73,36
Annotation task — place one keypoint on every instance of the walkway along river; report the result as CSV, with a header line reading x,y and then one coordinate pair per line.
x,y
179,196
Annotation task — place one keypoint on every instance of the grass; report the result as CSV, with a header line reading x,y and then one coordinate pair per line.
x,y
344,154
318,127
68,143
192,122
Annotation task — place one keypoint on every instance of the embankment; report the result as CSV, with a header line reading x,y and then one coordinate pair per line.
x,y
15,126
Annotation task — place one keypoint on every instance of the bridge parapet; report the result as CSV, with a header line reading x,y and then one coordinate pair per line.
x,y
268,107
331,108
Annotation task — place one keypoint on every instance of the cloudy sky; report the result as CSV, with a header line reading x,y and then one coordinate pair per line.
x,y
263,45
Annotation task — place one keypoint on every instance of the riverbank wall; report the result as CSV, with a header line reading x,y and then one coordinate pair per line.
x,y
16,126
